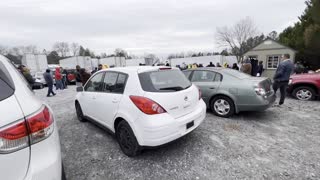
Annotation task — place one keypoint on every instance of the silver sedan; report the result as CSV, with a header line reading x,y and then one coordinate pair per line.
x,y
227,91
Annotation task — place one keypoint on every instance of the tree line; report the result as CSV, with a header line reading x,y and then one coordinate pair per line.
x,y
304,36
60,50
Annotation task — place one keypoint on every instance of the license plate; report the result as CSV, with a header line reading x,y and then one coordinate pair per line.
x,y
190,124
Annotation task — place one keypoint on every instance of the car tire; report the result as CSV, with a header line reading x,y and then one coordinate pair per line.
x,y
63,174
222,106
127,140
304,93
79,112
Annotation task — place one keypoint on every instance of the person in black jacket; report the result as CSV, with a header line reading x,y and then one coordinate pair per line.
x,y
78,76
260,68
282,76
49,80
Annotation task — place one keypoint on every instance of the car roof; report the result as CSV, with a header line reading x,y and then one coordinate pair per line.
x,y
208,68
137,69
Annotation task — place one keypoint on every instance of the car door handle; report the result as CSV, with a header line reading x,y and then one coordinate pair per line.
x,y
115,100
93,97
211,87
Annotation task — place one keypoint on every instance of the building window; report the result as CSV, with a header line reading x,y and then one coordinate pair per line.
x,y
273,61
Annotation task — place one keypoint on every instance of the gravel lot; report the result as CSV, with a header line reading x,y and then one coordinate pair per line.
x,y
280,143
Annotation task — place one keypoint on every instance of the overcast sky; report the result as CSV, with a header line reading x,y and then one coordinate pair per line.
x,y
138,26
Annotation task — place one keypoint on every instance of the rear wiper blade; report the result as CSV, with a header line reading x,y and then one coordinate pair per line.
x,y
176,88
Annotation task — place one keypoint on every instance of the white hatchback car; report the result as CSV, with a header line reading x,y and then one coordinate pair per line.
x,y
29,140
143,106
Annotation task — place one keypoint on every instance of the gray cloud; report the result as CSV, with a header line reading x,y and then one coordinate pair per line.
x,y
159,26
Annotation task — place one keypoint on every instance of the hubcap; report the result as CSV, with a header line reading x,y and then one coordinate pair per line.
x,y
222,107
304,94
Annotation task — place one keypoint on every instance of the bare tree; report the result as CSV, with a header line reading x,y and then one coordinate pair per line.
x,y
75,48
62,48
120,52
235,37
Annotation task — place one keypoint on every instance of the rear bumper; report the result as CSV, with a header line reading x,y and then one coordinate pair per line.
x,y
45,160
170,129
260,105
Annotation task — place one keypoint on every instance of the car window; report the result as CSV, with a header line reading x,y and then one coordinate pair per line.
x,y
164,81
203,76
187,73
95,83
218,77
121,83
109,83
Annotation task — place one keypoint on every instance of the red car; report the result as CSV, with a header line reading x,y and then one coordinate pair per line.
x,y
305,86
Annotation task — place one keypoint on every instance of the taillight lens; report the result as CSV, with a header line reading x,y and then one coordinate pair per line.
x,y
14,137
147,106
260,90
36,127
40,125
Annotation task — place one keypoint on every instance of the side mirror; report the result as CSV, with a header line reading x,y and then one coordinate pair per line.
x,y
79,89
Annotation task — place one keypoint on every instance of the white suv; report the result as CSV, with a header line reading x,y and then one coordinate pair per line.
x,y
143,106
29,140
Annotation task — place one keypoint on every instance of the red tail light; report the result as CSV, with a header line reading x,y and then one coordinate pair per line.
x,y
40,125
36,127
146,105
165,68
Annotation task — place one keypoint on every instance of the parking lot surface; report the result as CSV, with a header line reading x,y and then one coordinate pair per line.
x,y
280,143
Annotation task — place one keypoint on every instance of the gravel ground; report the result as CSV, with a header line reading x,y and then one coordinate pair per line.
x,y
280,143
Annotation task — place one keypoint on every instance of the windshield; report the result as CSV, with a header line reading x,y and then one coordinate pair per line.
x,y
237,74
164,81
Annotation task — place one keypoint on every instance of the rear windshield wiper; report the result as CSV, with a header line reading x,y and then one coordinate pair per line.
x,y
175,88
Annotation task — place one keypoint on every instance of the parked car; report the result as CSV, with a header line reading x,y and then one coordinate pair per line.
x,y
71,76
304,86
39,81
227,91
143,106
29,139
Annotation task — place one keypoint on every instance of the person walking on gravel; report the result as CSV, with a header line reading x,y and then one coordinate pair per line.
x,y
282,76
49,80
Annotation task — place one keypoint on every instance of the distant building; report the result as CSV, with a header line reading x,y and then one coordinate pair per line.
x,y
270,52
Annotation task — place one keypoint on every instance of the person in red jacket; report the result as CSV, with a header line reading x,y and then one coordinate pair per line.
x,y
58,77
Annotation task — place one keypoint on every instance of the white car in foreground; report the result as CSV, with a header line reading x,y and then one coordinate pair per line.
x,y
29,140
143,106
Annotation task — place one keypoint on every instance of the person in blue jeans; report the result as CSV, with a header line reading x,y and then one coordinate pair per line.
x,y
49,80
282,76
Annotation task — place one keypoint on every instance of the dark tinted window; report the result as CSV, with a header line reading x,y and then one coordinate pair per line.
x,y
114,82
95,83
121,83
6,83
109,82
164,81
203,76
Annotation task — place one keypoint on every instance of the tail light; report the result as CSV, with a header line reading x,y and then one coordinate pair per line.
x,y
147,106
23,133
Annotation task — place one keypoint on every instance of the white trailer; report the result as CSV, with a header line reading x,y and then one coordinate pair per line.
x,y
135,62
204,60
35,62
113,61
72,62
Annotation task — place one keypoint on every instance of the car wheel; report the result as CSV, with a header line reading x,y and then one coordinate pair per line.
x,y
222,106
127,140
304,93
63,173
80,116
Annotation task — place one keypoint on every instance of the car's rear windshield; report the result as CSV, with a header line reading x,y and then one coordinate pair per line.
x,y
236,74
164,81
6,83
